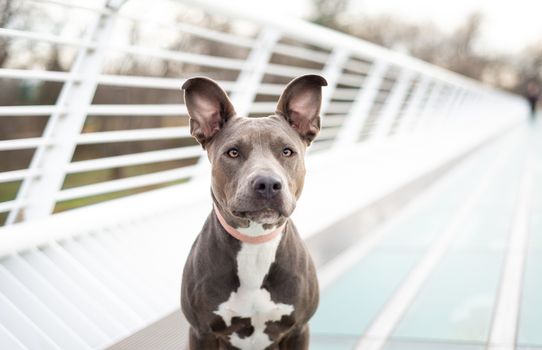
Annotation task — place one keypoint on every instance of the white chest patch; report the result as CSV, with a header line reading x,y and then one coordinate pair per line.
x,y
253,263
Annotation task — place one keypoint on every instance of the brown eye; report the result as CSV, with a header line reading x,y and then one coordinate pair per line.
x,y
233,153
287,152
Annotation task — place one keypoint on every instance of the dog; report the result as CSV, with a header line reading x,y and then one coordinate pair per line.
x,y
249,281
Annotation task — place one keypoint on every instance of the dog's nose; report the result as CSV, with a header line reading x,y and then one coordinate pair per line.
x,y
267,186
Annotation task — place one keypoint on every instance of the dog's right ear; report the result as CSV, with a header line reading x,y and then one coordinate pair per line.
x,y
208,106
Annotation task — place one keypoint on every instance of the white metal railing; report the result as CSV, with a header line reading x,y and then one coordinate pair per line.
x,y
373,94
87,278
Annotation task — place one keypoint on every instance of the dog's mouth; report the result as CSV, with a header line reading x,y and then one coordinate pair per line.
x,y
263,216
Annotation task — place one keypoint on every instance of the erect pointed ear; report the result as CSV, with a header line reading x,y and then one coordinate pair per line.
x,y
300,104
208,106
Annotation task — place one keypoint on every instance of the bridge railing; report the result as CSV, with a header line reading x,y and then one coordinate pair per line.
x,y
373,95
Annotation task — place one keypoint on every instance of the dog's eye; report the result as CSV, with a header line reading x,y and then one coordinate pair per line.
x,y
233,153
287,152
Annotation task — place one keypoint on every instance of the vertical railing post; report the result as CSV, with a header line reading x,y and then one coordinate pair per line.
x,y
246,86
332,72
461,106
439,107
449,107
415,106
429,106
65,124
457,111
393,103
351,129
477,109
465,111
442,106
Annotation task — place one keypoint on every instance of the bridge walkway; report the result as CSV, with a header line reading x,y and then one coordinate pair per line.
x,y
457,268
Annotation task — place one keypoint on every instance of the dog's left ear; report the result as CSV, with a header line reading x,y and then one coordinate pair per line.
x,y
300,104
208,106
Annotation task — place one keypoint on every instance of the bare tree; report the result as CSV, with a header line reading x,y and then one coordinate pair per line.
x,y
8,9
529,66
457,51
461,48
18,14
327,13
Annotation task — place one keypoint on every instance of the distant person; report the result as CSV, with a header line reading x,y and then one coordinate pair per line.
x,y
533,94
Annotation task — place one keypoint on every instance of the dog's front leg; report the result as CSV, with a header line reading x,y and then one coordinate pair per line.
x,y
297,340
202,341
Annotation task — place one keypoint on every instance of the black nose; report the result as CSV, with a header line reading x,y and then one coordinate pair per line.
x,y
267,186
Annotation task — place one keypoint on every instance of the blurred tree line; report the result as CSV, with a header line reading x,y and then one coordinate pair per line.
x,y
456,51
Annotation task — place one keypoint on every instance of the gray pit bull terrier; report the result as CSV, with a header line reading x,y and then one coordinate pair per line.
x,y
249,282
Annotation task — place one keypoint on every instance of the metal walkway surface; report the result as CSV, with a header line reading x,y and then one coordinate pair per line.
x,y
458,269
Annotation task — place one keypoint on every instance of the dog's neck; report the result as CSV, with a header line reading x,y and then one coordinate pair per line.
x,y
246,238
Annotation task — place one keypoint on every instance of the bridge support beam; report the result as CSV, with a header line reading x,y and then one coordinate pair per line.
x,y
393,104
415,105
351,129
246,87
429,107
332,72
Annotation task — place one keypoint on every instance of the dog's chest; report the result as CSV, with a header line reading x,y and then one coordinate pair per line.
x,y
251,301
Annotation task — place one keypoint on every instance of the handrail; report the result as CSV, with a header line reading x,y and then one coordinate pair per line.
x,y
132,135
126,183
324,37
130,160
25,143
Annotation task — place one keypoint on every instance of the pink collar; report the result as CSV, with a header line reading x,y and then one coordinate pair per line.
x,y
246,238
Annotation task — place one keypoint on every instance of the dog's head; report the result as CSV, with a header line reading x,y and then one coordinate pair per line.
x,y
258,165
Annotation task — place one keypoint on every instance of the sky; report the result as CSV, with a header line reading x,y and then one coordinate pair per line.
x,y
509,25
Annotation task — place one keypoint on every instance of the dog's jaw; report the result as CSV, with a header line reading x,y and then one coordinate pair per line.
x,y
256,229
